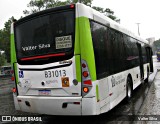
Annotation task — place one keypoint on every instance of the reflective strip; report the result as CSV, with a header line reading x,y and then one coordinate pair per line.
x,y
97,93
78,68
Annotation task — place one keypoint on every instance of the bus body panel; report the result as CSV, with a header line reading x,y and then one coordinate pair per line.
x,y
117,86
16,104
136,77
89,106
51,82
51,105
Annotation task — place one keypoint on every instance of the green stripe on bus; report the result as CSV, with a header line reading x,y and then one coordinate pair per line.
x,y
97,93
86,45
78,68
13,57
13,51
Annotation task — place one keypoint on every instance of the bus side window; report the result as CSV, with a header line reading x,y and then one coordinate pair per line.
x,y
98,37
111,54
128,51
115,51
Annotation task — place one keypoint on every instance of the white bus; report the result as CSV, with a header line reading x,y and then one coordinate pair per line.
x,y
73,60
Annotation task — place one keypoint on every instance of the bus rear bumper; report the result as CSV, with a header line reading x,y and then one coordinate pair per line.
x,y
49,105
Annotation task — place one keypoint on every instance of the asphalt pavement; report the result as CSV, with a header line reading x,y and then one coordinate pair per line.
x,y
149,112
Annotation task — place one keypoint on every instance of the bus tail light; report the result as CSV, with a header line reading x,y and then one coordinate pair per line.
x,y
88,82
12,73
12,78
77,103
83,65
85,74
14,90
86,79
72,6
85,89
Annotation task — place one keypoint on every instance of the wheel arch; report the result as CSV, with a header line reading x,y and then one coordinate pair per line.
x,y
130,76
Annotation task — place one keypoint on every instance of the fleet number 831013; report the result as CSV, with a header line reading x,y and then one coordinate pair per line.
x,y
56,73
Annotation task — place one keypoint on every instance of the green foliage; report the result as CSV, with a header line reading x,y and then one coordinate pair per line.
x,y
5,38
2,59
100,9
38,5
156,46
108,12
86,2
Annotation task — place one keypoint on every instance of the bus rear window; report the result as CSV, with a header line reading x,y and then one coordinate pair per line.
x,y
45,35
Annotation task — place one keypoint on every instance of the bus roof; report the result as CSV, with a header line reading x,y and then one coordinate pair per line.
x,y
86,11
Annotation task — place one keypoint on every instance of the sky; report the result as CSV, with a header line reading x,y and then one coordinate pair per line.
x,y
130,12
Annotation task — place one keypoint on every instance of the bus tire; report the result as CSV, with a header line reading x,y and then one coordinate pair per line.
x,y
128,89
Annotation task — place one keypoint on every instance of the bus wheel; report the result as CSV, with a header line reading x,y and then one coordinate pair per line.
x,y
129,89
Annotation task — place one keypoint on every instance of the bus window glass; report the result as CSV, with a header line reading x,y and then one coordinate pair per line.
x,y
45,34
99,36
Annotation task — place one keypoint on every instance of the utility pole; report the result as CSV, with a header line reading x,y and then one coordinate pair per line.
x,y
138,28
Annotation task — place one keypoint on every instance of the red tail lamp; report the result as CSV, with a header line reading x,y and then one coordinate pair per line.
x,y
12,78
83,65
85,89
14,90
85,74
72,6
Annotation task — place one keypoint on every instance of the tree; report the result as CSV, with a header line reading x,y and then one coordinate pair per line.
x,y
5,38
2,59
156,46
38,5
108,12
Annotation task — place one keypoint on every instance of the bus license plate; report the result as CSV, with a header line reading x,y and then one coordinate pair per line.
x,y
45,92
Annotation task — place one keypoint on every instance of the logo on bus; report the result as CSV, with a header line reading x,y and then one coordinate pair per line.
x,y
117,80
21,75
113,80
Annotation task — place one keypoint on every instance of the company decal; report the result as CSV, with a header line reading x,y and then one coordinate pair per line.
x,y
26,83
37,47
116,80
21,75
63,42
113,81
66,62
65,81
